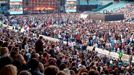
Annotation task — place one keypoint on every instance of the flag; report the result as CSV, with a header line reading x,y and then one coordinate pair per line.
x,y
1,25
120,54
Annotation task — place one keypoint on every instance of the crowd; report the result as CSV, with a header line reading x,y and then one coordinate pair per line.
x,y
27,53
127,11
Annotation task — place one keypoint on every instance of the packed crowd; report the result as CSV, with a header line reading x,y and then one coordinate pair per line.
x,y
32,55
127,11
27,53
113,36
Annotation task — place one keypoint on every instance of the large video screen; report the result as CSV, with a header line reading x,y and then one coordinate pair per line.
x,y
16,7
70,5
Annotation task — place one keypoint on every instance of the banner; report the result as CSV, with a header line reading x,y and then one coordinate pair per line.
x,y
16,7
70,6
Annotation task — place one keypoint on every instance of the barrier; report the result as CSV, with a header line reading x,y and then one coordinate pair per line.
x,y
105,17
101,51
90,48
114,55
133,59
49,38
125,57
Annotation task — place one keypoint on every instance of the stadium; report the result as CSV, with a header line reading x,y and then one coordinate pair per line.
x,y
66,37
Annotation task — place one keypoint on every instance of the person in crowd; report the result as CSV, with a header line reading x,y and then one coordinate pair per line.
x,y
39,45
35,67
8,70
61,73
4,52
5,58
18,59
24,72
51,70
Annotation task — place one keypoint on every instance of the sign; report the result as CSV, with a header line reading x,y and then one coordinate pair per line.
x,y
16,7
70,6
